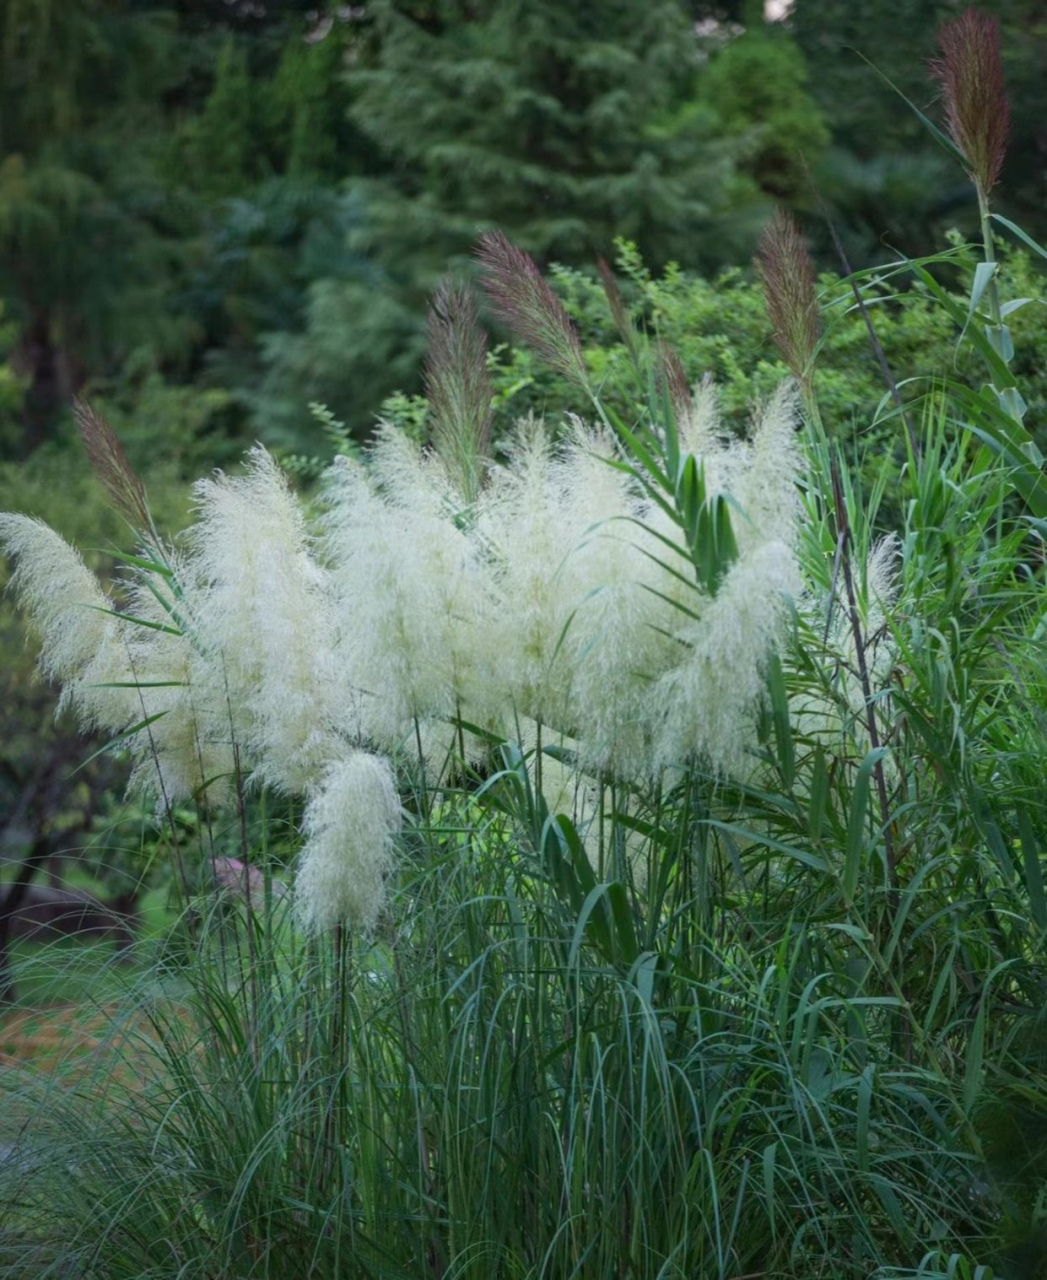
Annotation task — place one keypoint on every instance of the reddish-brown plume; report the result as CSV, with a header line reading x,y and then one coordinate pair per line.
x,y
785,267
619,311
110,465
970,72
520,297
457,384
673,377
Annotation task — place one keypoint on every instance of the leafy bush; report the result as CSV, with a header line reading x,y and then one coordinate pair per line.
x,y
720,329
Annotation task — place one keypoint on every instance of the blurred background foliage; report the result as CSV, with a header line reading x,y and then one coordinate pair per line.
x,y
215,213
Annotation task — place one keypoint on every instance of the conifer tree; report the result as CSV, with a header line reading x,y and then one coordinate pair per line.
x,y
564,125
85,229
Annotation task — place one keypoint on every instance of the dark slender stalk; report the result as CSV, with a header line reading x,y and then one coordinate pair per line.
x,y
241,817
421,771
461,739
211,849
872,726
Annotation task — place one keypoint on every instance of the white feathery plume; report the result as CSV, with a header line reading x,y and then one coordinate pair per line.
x,y
765,488
410,594
881,580
116,672
451,571
705,699
260,609
188,742
705,705
521,522
609,647
350,824
700,428
83,647
724,456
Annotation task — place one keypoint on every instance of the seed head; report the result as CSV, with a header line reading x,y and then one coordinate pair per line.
x,y
458,386
970,72
521,298
788,282
616,302
673,377
109,463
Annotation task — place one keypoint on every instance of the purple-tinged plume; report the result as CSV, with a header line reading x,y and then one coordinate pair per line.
x,y
520,297
619,311
110,465
970,72
458,386
785,267
673,378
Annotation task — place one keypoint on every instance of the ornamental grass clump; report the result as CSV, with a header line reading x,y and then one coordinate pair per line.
x,y
626,597
667,842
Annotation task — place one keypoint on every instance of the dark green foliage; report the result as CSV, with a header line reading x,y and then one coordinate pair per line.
x,y
252,201
759,88
221,143
561,126
87,237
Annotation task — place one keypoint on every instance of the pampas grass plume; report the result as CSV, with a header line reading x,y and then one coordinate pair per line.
x,y
350,824
970,72
83,647
262,612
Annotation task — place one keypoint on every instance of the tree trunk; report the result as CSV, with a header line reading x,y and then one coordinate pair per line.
x,y
10,903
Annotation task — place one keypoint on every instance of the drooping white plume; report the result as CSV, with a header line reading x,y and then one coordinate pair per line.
x,y
350,824
82,646
415,618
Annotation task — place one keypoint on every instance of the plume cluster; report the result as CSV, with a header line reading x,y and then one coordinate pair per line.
x,y
438,593
350,823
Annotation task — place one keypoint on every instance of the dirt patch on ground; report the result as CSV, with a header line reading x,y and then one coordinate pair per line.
x,y
71,1041
39,1037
